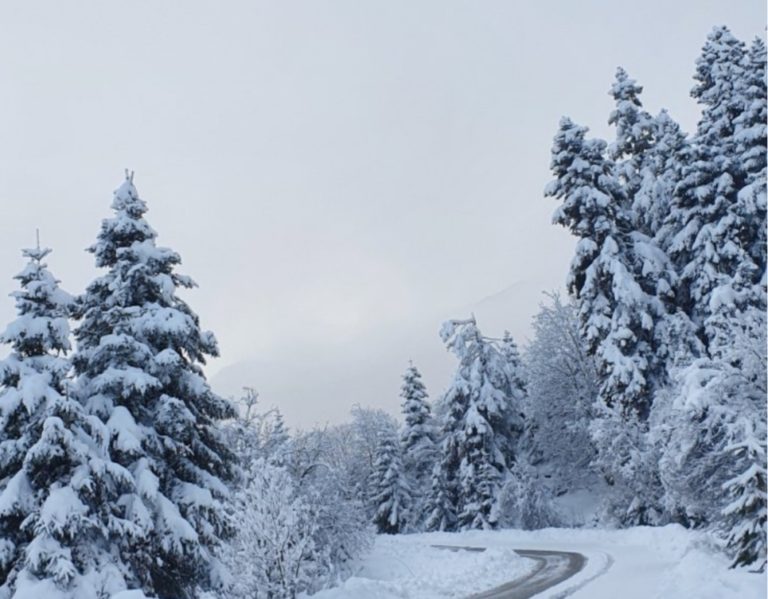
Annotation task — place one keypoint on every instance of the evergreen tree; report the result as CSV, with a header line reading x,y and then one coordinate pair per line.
x,y
622,283
716,245
746,516
514,362
750,125
635,134
441,503
391,490
419,431
751,142
419,436
616,314
51,462
481,428
139,356
662,164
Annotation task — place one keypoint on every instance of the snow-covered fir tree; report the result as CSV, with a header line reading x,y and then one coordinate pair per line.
x,y
514,361
52,463
139,355
391,491
660,173
717,246
746,516
481,427
750,126
419,434
364,435
617,315
441,502
418,438
622,284
635,132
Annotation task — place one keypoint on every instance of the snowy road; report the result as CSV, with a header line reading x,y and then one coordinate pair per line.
x,y
552,568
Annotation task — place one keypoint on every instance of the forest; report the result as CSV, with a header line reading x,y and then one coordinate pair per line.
x,y
643,392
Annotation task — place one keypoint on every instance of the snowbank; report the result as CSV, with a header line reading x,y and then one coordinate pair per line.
x,y
408,567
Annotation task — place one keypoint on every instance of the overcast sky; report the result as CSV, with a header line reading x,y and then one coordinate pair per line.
x,y
339,177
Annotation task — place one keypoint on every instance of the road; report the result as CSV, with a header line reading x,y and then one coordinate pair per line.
x,y
552,567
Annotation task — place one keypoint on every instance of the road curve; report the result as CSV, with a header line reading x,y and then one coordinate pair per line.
x,y
552,567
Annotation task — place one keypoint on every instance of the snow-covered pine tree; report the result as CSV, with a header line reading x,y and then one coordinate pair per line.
x,y
617,316
481,427
746,516
647,154
635,134
419,436
751,143
514,362
716,245
419,433
139,355
364,435
441,502
750,125
391,490
662,164
619,279
51,462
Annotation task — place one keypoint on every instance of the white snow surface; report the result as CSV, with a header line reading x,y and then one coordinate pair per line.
x,y
408,567
638,563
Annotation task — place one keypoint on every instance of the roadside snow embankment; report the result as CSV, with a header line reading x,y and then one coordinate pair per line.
x,y
408,567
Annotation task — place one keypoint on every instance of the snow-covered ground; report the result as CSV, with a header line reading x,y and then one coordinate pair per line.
x,y
639,563
408,566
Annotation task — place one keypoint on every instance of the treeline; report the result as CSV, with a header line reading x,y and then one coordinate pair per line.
x,y
669,286
651,384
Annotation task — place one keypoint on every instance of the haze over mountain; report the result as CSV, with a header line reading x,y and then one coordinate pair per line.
x,y
367,370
